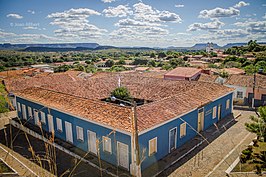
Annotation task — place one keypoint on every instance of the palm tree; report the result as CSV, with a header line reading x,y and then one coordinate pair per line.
x,y
258,125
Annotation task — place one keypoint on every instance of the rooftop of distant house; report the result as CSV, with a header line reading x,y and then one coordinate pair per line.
x,y
247,80
207,77
83,97
183,72
234,70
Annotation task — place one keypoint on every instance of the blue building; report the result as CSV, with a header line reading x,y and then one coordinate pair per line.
x,y
171,114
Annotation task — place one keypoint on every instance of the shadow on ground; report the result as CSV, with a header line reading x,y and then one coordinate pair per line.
x,y
171,162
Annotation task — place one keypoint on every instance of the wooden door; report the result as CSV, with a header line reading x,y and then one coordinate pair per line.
x,y
219,111
123,158
69,135
50,123
24,114
172,139
200,119
92,146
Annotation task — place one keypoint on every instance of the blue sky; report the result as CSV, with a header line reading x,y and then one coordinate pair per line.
x,y
152,23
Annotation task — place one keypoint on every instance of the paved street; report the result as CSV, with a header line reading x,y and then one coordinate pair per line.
x,y
220,154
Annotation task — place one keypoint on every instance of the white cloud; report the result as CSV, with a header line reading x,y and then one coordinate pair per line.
x,y
219,12
144,12
16,16
241,4
214,25
263,5
108,1
231,33
30,28
75,23
119,11
179,5
253,26
169,16
264,17
31,11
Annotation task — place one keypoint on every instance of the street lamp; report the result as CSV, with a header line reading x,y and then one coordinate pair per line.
x,y
137,169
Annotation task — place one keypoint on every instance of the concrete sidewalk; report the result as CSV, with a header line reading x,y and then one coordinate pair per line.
x,y
213,160
203,156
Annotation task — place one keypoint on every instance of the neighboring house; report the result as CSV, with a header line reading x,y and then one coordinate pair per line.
x,y
246,92
208,78
231,71
183,73
172,114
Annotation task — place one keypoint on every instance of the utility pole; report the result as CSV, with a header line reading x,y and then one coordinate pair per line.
x,y
254,85
136,136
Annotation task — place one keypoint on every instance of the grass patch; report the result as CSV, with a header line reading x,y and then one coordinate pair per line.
x,y
250,165
4,168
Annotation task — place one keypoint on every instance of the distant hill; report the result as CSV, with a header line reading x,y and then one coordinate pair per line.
x,y
202,46
229,45
59,45
54,49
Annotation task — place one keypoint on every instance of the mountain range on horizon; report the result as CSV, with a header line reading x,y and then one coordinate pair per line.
x,y
95,46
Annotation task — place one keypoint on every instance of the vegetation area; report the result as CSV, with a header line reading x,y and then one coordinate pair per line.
x,y
254,157
115,60
3,99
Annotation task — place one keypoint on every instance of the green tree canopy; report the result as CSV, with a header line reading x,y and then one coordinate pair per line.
x,y
121,93
258,124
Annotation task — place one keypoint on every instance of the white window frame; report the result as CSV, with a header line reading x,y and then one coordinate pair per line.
x,y
155,147
30,112
80,133
227,103
36,117
214,112
43,118
241,93
24,112
19,107
183,129
107,144
59,125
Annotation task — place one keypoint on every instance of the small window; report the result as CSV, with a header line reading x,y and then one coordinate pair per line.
x,y
80,133
43,118
214,112
152,146
183,129
239,94
107,144
59,125
19,108
227,104
30,112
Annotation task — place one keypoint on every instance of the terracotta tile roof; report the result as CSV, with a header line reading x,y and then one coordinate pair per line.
x,y
37,81
183,72
207,77
247,80
234,71
170,98
97,111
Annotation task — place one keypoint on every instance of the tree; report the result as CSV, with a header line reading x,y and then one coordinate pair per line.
x,y
109,63
258,124
161,55
224,74
152,63
121,93
152,55
3,99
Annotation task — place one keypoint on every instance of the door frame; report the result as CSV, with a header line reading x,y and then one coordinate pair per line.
x,y
118,153
67,139
201,128
50,119
89,142
170,137
219,111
